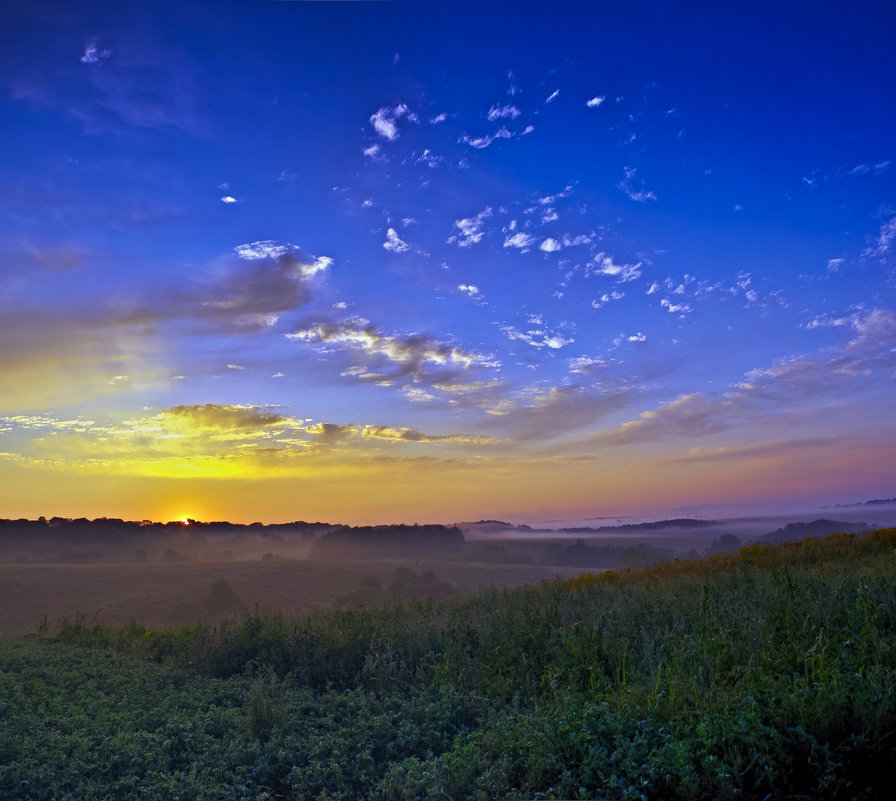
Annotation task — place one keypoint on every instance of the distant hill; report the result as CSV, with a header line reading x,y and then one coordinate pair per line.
x,y
500,527
875,502
817,528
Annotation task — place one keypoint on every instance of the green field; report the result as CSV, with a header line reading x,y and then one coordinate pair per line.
x,y
770,673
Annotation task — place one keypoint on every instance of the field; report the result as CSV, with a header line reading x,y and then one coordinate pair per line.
x,y
161,595
770,673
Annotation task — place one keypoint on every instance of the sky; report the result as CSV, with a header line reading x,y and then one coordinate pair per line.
x,y
405,261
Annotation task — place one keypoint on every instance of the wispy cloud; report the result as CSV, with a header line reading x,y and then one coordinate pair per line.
x,y
508,112
470,230
603,264
883,242
595,101
472,292
520,240
627,185
93,54
418,356
538,335
482,142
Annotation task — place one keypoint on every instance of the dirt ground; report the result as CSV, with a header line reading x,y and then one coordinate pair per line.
x,y
160,595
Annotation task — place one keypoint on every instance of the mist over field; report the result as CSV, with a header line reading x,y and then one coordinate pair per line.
x,y
111,572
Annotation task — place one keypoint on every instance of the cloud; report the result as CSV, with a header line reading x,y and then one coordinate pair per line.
x,y
552,97
218,416
594,102
279,280
675,308
871,349
385,120
412,355
93,54
472,292
228,199
394,243
884,241
765,394
374,152
470,229
509,111
482,142
540,414
213,440
688,416
539,335
602,264
394,434
519,240
146,86
606,298
550,245
438,118
834,265
626,185
428,158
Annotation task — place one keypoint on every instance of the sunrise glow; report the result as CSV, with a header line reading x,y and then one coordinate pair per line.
x,y
350,261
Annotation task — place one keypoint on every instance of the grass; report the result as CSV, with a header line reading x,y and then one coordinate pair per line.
x,y
770,673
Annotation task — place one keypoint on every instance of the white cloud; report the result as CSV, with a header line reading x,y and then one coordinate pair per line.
x,y
438,118
575,241
428,158
539,336
470,229
639,337
595,101
417,395
482,142
394,242
550,245
606,298
412,354
519,240
675,308
93,54
503,112
834,265
374,152
604,265
626,185
883,242
228,199
552,97
385,120
298,262
586,365
471,291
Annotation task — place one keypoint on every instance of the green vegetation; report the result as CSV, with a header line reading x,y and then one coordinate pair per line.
x,y
770,672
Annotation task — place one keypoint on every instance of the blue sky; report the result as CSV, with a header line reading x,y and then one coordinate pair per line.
x,y
396,260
